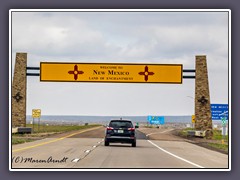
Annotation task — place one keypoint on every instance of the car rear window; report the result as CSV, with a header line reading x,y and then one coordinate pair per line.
x,y
121,124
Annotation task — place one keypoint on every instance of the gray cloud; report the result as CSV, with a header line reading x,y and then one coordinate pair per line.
x,y
151,37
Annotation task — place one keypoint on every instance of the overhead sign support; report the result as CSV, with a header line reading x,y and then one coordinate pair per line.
x,y
87,72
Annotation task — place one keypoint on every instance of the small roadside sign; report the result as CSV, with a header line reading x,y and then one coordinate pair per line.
x,y
223,121
36,113
193,118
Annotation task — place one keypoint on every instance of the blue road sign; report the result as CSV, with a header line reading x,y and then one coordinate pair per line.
x,y
156,120
219,111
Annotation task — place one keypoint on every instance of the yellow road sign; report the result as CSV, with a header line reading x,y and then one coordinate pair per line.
x,y
36,113
104,72
193,118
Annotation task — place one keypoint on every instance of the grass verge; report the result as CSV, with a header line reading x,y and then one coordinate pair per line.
x,y
223,147
215,143
20,141
217,134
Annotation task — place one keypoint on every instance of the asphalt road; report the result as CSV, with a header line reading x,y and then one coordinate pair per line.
x,y
87,150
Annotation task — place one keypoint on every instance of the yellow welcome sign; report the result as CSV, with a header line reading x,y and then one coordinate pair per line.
x,y
111,72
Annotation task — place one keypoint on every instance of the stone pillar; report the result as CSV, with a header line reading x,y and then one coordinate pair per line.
x,y
19,91
203,117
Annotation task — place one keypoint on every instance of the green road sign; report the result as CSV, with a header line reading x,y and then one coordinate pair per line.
x,y
223,121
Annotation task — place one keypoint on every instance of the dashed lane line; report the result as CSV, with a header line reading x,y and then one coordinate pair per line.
x,y
75,160
86,153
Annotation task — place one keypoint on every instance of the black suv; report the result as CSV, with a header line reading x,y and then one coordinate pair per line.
x,y
120,131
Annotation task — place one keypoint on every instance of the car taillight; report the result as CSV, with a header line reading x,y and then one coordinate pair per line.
x,y
131,129
109,128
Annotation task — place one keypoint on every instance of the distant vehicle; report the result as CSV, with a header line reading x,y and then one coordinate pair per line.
x,y
120,131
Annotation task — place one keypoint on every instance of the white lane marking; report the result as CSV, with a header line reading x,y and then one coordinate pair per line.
x,y
100,141
87,151
75,160
175,155
159,132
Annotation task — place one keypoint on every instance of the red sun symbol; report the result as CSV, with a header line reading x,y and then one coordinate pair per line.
x,y
146,73
75,72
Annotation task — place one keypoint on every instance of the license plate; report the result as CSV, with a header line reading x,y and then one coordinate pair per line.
x,y
120,131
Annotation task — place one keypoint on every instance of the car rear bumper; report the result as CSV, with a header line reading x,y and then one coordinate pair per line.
x,y
120,139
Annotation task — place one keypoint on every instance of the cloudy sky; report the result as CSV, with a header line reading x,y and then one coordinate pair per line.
x,y
122,37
